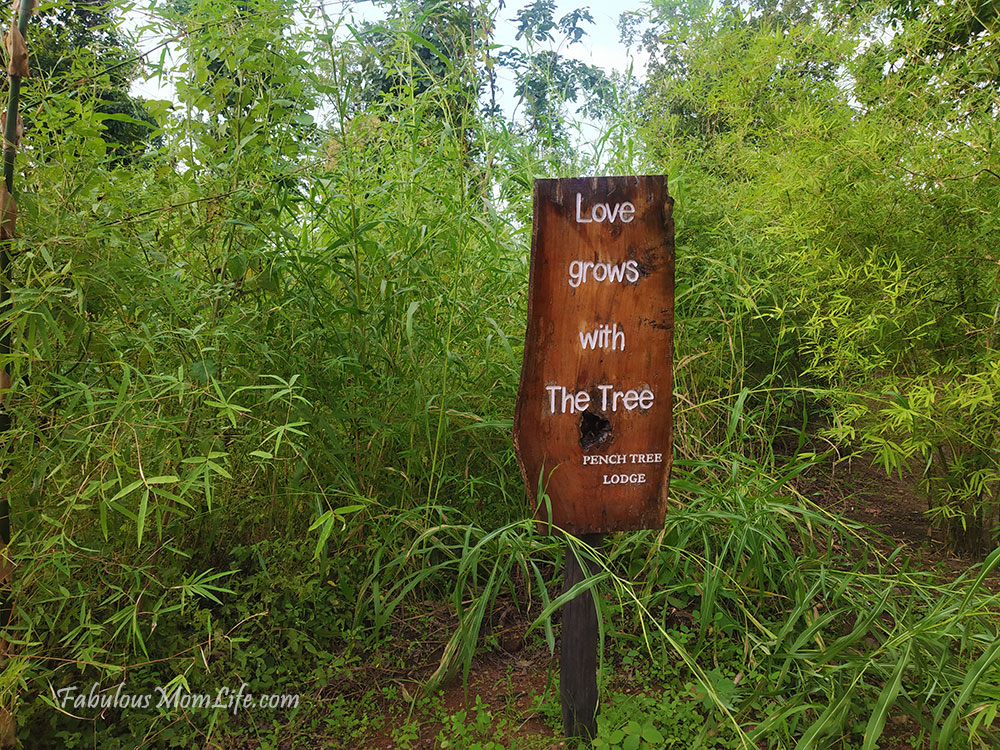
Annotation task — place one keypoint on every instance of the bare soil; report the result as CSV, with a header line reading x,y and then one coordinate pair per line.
x,y
892,506
504,684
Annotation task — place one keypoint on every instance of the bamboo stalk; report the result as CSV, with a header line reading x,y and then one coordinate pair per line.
x,y
17,69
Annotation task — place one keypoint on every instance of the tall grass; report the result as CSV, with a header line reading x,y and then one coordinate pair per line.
x,y
262,405
799,632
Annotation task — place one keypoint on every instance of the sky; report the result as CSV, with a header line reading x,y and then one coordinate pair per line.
x,y
601,45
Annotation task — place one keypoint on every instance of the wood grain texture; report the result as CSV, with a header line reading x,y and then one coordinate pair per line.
x,y
570,448
578,650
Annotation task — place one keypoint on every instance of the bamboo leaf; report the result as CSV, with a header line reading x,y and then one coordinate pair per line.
x,y
886,700
972,677
128,489
140,524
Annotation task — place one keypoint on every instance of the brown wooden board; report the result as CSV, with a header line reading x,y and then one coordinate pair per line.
x,y
578,647
593,416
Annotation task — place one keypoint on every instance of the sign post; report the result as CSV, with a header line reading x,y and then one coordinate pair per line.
x,y
592,429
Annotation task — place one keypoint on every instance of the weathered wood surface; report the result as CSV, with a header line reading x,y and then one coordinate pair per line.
x,y
595,399
578,652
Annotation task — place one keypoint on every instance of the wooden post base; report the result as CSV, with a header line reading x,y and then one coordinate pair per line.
x,y
578,652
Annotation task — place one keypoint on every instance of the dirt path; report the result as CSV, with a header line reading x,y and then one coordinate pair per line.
x,y
893,506
502,703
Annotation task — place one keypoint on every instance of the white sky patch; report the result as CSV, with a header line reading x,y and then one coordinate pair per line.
x,y
602,46
149,44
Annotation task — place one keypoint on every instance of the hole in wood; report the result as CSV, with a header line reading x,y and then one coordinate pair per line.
x,y
595,429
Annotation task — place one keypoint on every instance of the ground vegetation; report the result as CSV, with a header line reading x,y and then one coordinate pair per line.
x,y
263,371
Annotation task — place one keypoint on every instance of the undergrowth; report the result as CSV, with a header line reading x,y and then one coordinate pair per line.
x,y
263,373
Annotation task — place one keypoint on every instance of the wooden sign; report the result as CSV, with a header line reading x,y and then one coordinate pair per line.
x,y
593,419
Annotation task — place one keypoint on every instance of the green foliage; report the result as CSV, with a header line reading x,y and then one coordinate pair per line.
x,y
424,47
263,377
834,227
78,49
547,79
259,332
944,426
474,732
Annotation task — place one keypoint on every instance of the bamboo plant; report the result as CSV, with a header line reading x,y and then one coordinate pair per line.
x,y
17,70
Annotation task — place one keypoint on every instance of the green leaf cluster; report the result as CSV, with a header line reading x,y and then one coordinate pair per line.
x,y
837,191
